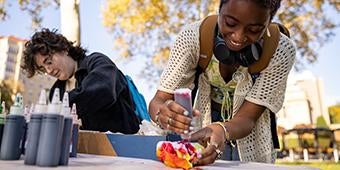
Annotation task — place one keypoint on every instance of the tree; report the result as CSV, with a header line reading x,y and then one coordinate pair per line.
x,y
154,23
70,20
136,23
69,12
321,122
334,113
8,90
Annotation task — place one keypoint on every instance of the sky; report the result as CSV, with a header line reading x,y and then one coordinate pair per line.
x,y
96,38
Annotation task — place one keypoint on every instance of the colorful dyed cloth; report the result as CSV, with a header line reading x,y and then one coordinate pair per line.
x,y
179,154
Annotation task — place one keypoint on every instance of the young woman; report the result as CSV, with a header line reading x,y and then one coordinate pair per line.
x,y
232,107
99,88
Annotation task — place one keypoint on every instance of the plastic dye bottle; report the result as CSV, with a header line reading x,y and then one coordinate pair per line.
x,y
27,116
67,131
34,127
2,119
13,131
51,133
75,131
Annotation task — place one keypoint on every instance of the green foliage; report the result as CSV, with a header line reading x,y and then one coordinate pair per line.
x,y
6,94
334,113
321,122
8,90
309,22
158,30
135,23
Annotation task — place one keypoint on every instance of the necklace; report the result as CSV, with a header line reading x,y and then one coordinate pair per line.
x,y
238,76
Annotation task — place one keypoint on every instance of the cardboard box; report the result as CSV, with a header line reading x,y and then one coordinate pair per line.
x,y
92,142
135,146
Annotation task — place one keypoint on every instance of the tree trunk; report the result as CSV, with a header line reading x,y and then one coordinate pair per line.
x,y
70,20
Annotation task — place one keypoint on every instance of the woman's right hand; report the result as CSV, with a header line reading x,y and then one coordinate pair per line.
x,y
212,137
172,116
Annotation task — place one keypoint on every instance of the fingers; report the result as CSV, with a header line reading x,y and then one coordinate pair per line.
x,y
209,155
211,137
171,121
172,117
201,136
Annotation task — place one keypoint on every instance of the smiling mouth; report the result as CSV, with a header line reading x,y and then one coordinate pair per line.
x,y
235,43
235,46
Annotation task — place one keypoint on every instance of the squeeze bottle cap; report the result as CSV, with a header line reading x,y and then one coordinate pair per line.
x,y
74,114
55,105
17,108
66,110
41,106
3,105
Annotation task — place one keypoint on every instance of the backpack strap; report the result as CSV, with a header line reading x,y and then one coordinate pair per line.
x,y
207,30
282,29
270,44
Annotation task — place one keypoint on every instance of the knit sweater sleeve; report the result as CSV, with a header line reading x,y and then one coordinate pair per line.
x,y
180,70
269,88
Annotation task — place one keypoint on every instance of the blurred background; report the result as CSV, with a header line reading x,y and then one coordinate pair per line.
x,y
138,34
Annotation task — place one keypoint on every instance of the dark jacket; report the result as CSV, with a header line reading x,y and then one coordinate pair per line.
x,y
103,100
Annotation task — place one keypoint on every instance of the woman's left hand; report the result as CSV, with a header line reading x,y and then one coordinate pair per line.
x,y
213,139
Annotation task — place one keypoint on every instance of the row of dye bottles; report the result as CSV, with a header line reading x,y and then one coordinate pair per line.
x,y
50,130
53,131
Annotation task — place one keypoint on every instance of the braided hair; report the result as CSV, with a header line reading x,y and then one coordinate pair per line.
x,y
273,5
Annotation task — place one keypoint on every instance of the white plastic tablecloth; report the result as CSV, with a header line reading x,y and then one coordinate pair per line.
x,y
86,161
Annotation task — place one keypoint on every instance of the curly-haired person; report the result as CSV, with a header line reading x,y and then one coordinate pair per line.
x,y
100,90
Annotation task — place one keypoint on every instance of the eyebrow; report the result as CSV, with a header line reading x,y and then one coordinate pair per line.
x,y
45,59
254,24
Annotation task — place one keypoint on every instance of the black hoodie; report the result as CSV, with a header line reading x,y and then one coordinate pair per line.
x,y
102,96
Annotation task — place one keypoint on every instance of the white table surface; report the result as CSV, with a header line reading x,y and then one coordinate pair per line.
x,y
86,161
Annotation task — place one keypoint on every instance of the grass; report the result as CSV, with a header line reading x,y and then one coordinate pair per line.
x,y
323,165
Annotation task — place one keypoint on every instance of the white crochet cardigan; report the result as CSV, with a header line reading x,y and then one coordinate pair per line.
x,y
268,89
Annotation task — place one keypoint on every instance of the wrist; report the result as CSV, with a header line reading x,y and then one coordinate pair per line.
x,y
226,132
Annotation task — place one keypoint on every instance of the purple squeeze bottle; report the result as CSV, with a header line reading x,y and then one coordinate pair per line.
x,y
183,98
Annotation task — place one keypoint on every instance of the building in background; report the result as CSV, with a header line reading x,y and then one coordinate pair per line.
x,y
304,101
11,52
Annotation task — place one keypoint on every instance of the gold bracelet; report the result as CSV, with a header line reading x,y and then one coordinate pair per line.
x,y
226,133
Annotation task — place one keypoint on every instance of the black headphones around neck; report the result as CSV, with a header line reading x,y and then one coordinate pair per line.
x,y
245,57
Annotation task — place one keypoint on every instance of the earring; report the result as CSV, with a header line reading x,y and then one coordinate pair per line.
x,y
268,33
